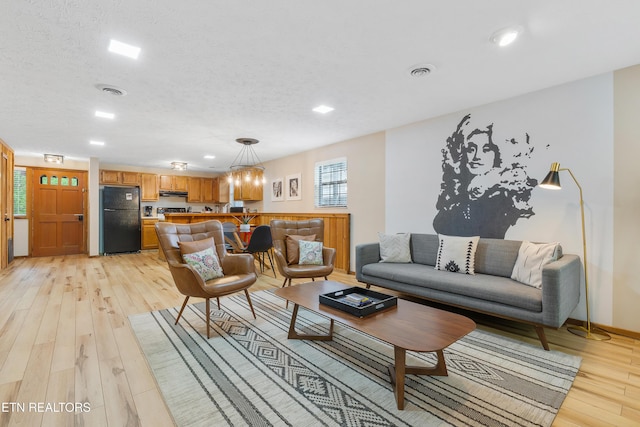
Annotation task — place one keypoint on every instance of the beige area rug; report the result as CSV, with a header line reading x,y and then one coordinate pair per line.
x,y
249,373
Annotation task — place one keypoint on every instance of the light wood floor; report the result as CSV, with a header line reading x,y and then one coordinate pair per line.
x,y
65,337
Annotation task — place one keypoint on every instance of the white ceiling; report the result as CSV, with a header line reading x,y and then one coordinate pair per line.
x,y
213,71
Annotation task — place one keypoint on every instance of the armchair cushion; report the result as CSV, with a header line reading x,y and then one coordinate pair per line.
x,y
293,247
310,252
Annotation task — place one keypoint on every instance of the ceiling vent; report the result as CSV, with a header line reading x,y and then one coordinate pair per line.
x,y
112,90
421,70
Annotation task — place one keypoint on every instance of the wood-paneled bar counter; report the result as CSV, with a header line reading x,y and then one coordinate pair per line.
x,y
337,227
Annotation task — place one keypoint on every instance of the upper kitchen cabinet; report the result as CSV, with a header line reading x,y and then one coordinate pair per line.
x,y
173,183
203,190
195,189
210,190
149,187
223,190
119,177
248,191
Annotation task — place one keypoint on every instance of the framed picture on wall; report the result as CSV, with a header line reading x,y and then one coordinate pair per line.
x,y
294,187
277,190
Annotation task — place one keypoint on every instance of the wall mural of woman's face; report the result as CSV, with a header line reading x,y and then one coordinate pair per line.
x,y
481,153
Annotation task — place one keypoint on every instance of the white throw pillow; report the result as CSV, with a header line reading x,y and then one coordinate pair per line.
x,y
531,258
395,247
457,254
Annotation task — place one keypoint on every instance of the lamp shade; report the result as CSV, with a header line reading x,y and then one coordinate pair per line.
x,y
552,180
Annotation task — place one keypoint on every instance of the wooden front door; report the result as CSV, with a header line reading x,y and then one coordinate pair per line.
x,y
58,212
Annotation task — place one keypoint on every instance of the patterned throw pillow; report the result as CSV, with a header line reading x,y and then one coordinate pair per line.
x,y
395,247
457,254
205,262
310,253
531,258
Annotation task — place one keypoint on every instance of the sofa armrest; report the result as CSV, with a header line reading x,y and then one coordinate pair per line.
x,y
367,253
560,289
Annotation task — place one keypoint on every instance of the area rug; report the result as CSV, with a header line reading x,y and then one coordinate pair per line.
x,y
249,373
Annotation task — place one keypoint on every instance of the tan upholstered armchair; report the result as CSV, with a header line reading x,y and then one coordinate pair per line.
x,y
239,269
284,247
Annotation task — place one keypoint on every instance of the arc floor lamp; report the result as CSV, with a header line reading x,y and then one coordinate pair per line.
x,y
552,182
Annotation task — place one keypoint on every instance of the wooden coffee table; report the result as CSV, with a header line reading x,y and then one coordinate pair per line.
x,y
408,326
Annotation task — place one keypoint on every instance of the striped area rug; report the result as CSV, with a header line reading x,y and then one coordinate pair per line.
x,y
249,373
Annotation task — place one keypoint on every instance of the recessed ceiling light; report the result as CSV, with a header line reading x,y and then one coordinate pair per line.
x,y
323,109
209,157
124,49
505,36
105,115
92,142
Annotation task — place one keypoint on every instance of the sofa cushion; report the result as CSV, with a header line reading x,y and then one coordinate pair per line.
x,y
395,247
501,290
424,248
457,254
496,256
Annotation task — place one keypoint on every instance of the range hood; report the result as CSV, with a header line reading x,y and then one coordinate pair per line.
x,y
165,193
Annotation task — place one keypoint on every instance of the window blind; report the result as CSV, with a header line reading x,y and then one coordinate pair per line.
x,y
331,183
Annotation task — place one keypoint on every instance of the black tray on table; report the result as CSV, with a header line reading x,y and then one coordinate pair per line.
x,y
379,301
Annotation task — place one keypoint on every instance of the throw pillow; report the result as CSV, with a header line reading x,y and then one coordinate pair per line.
x,y
196,245
457,254
293,247
531,258
395,247
202,256
310,252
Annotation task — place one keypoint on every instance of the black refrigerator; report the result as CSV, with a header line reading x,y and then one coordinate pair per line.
x,y
121,219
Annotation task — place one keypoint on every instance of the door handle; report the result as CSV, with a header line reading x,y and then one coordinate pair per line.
x,y
80,217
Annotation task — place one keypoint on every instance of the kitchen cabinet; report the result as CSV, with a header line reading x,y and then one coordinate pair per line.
x,y
247,190
223,190
149,236
210,190
110,177
195,190
130,178
149,187
203,190
173,183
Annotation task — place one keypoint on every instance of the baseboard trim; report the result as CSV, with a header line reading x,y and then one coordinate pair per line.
x,y
611,329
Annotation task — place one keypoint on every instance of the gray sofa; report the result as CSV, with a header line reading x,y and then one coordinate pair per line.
x,y
490,290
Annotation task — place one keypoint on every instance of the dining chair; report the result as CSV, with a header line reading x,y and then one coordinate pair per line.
x,y
260,244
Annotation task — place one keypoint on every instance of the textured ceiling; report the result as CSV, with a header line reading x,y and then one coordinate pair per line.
x,y
213,71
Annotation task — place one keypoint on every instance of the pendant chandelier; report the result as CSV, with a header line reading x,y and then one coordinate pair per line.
x,y
247,166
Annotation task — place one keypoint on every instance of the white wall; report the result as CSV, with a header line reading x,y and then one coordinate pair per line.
x,y
365,177
571,124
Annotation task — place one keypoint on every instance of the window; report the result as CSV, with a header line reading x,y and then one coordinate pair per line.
x,y
331,183
19,191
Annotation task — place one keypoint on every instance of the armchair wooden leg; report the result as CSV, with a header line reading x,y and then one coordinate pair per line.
x,y
218,299
207,313
250,304
184,304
